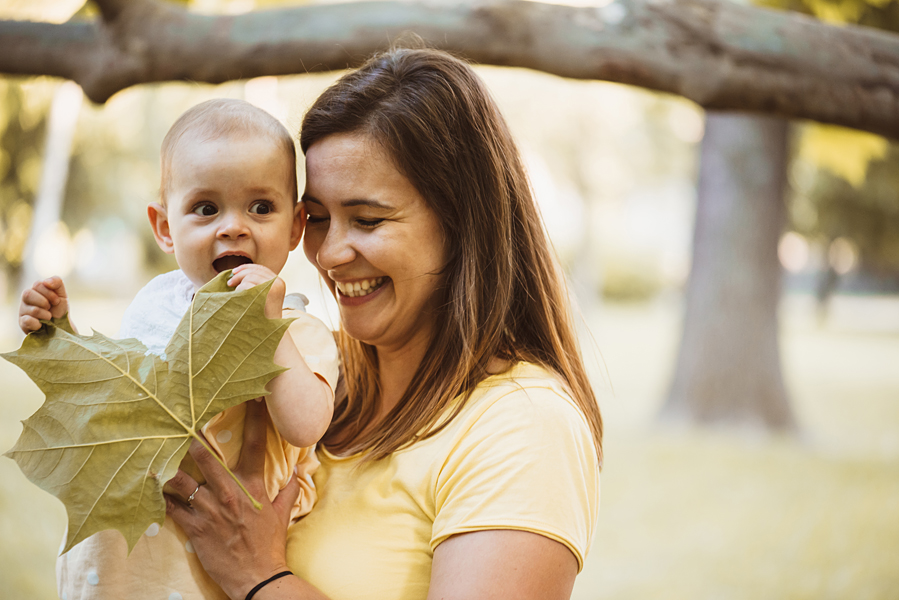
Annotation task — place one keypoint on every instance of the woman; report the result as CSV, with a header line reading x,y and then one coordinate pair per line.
x,y
463,460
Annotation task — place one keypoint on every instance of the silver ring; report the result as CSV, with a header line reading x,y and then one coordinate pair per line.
x,y
191,497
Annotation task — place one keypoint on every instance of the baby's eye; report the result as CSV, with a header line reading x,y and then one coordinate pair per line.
x,y
205,210
263,207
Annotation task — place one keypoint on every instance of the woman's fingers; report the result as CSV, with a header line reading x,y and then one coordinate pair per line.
x,y
224,527
286,499
177,490
250,466
180,513
252,454
181,486
209,466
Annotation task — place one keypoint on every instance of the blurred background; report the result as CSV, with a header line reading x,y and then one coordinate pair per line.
x,y
696,504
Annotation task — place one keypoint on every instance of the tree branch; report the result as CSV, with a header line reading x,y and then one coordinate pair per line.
x,y
718,54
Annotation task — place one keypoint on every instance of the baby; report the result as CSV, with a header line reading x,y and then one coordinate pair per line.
x,y
228,201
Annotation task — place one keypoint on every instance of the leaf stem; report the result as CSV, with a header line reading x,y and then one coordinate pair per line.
x,y
256,504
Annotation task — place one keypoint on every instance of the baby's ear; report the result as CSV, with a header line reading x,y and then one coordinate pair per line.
x,y
159,221
299,224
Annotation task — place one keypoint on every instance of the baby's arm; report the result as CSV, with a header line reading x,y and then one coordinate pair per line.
x,y
43,301
300,403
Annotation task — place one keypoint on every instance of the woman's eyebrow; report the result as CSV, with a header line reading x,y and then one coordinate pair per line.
x,y
370,203
350,203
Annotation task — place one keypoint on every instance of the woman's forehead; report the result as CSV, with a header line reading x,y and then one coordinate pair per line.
x,y
344,162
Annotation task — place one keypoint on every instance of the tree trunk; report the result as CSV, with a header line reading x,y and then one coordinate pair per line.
x,y
61,124
728,366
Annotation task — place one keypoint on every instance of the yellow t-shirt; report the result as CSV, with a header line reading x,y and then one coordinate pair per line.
x,y
519,456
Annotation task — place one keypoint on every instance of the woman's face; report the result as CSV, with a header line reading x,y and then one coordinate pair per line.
x,y
375,241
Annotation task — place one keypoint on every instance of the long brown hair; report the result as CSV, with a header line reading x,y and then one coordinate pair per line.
x,y
503,293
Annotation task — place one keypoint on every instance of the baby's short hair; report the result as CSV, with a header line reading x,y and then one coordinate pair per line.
x,y
223,117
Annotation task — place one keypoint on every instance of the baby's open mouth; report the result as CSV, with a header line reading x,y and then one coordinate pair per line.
x,y
223,263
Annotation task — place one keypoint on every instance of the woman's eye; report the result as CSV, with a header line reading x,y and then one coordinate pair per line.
x,y
263,207
205,210
312,219
369,223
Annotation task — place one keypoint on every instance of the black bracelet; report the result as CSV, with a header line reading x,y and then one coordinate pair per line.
x,y
266,582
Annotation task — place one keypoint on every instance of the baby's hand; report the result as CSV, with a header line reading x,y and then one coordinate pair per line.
x,y
43,301
244,277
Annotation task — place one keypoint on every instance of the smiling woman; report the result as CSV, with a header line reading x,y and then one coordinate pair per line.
x,y
463,457
372,228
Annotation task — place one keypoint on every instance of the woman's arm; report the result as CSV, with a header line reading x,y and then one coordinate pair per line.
x,y
240,546
502,563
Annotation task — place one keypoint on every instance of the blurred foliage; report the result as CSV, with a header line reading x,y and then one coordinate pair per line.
x,y
605,146
24,105
830,207
880,14
844,152
624,281
113,171
849,180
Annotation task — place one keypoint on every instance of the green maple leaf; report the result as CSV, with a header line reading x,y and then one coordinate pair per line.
x,y
117,421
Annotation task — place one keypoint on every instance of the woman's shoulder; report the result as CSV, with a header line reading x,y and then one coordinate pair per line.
x,y
526,395
520,456
523,380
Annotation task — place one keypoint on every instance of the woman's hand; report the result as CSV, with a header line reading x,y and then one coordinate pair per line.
x,y
238,545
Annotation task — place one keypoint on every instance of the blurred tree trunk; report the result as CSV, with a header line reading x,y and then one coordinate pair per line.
x,y
61,124
728,365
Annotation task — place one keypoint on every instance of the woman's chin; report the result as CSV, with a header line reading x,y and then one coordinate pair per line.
x,y
364,332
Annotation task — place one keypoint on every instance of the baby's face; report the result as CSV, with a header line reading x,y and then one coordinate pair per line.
x,y
229,202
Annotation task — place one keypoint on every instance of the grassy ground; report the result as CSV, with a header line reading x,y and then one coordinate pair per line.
x,y
705,514
686,514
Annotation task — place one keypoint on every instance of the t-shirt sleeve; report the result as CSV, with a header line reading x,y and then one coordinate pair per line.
x,y
316,343
526,462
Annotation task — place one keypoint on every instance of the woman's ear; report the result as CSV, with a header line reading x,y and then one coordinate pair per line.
x,y
159,221
299,223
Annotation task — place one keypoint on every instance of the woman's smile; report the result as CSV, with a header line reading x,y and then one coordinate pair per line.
x,y
374,239
360,288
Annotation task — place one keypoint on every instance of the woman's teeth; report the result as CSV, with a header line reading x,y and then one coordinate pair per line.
x,y
360,288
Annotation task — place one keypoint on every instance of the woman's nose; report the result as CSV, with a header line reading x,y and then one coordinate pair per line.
x,y
336,249
233,226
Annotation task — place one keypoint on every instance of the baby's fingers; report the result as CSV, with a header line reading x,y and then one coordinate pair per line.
x,y
55,283
28,324
247,278
238,275
54,290
37,296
